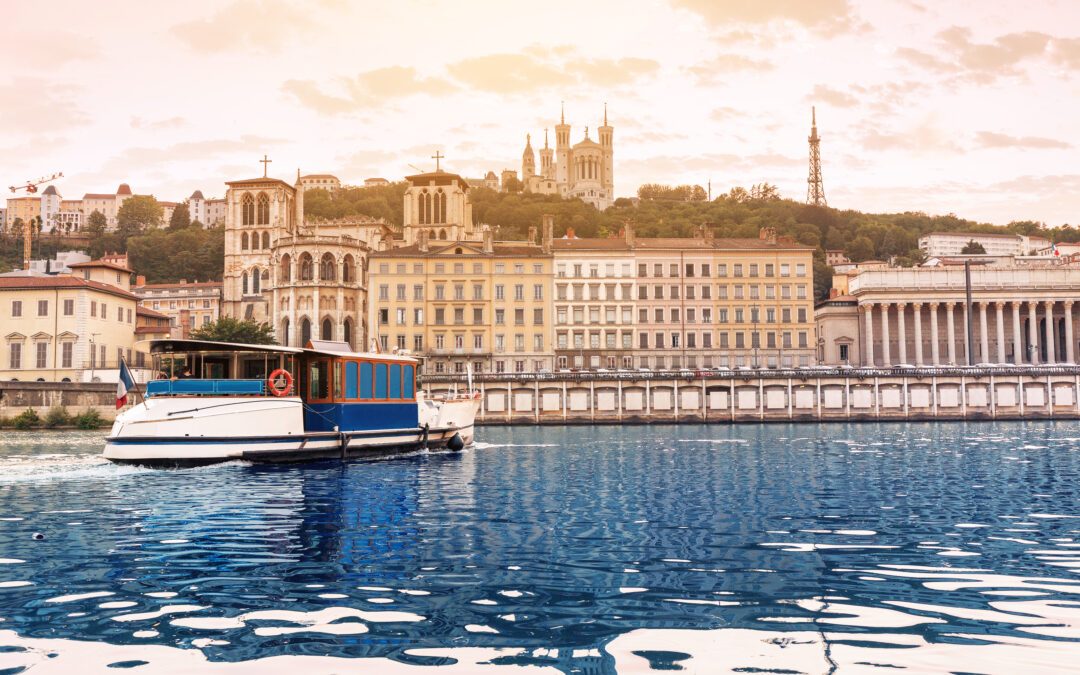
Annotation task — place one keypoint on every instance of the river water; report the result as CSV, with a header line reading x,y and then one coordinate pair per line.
x,y
708,549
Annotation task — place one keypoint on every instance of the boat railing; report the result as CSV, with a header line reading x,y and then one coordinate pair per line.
x,y
194,387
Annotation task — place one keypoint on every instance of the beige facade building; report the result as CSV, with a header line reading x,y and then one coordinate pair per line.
x,y
939,244
305,278
320,181
21,209
685,303
187,305
447,291
1019,315
69,327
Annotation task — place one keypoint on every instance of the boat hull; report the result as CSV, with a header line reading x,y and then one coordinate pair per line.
x,y
198,451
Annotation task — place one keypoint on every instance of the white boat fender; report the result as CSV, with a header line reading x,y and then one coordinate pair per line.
x,y
38,536
456,443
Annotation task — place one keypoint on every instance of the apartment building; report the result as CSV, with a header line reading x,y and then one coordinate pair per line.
x,y
483,304
685,302
188,305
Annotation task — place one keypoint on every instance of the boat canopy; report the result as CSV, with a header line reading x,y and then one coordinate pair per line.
x,y
317,348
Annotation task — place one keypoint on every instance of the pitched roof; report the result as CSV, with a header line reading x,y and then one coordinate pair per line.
x,y
438,178
187,284
124,189
972,235
98,195
501,249
100,263
61,281
146,311
258,181
196,195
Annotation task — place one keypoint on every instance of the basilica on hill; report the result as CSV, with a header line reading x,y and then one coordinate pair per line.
x,y
584,170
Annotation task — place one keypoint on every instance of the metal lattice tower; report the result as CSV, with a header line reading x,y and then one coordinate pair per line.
x,y
815,188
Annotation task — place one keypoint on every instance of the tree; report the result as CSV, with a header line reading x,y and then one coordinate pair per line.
x,y
180,218
860,248
138,214
513,185
973,248
227,329
96,222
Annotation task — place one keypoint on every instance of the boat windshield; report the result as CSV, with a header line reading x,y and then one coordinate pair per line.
x,y
220,365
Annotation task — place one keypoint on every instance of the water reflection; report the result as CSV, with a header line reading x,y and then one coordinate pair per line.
x,y
580,549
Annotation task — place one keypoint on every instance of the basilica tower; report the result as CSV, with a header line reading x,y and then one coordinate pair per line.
x,y
608,174
562,150
528,160
547,160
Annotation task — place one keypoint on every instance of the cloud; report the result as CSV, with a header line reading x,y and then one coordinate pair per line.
x,y
819,14
133,160
725,114
168,123
716,69
252,25
990,139
535,69
926,137
834,97
36,50
1008,55
36,105
370,88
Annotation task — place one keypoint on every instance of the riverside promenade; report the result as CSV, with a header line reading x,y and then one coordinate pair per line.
x,y
693,396
773,395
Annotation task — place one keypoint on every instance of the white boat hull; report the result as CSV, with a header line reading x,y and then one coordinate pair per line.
x,y
187,431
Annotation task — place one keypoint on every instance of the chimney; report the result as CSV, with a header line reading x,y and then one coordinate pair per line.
x,y
628,232
767,235
422,241
140,280
549,232
489,241
183,281
532,234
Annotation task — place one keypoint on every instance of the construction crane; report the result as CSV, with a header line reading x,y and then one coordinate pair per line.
x,y
31,187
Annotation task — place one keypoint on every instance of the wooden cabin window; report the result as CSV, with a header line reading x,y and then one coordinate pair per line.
x,y
351,369
408,382
338,382
366,380
380,380
395,381
318,380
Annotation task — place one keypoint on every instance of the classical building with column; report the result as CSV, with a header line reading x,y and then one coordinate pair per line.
x,y
919,316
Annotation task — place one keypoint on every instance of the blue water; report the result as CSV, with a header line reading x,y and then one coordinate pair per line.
x,y
706,548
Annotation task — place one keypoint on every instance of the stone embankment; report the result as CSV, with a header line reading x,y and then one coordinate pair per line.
x,y
812,395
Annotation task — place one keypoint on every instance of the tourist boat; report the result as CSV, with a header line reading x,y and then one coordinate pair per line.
x,y
219,401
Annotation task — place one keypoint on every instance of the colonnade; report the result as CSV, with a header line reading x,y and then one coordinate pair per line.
x,y
1036,331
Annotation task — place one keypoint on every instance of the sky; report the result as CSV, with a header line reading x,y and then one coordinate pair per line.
x,y
969,107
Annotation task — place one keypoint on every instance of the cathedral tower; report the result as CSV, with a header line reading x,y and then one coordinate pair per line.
x,y
528,160
547,157
608,177
562,151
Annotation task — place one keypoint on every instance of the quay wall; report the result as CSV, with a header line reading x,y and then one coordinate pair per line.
x,y
635,398
15,397
778,396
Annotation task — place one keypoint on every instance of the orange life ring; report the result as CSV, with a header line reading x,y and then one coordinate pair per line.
x,y
272,382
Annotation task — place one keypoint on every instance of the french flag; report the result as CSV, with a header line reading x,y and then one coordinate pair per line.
x,y
124,384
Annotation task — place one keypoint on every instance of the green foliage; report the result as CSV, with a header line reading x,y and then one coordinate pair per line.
x,y
191,253
89,419
137,214
27,419
381,201
973,248
96,221
57,417
181,217
6,422
227,329
678,193
513,185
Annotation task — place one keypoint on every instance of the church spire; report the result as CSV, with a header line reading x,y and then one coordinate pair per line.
x,y
562,112
545,138
605,113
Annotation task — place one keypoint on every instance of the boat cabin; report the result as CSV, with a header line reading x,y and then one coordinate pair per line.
x,y
340,389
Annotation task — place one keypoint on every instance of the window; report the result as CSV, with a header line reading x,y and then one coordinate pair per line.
x,y
66,353
16,308
738,269
800,270
802,315
538,342
643,340
459,291
15,356
43,308
659,340
384,317
769,269
538,292
519,317
500,317
478,292
418,343
478,316
440,292
478,342
519,292
500,292
400,292
459,315
785,270
418,317
42,355
673,270
538,317
843,352
721,270
418,292
400,315
802,339
384,292
519,268
658,315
